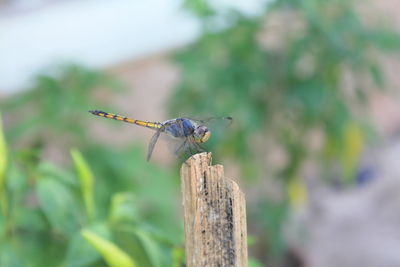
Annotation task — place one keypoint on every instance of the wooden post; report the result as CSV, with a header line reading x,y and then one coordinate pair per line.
x,y
215,215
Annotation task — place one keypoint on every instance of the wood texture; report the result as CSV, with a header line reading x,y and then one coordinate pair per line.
x,y
214,213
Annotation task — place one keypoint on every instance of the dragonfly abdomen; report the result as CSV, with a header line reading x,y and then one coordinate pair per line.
x,y
151,125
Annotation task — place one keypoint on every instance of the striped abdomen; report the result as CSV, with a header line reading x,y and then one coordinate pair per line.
x,y
151,125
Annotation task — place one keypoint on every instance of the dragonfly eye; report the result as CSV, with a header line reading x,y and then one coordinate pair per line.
x,y
205,137
203,134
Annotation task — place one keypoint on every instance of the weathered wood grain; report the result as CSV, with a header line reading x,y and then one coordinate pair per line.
x,y
214,213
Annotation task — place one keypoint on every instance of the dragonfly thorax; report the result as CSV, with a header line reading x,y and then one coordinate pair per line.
x,y
201,134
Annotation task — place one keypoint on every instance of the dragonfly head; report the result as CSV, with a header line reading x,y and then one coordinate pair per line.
x,y
202,134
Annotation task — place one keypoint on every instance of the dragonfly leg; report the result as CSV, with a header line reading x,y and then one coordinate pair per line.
x,y
192,151
194,147
198,147
177,151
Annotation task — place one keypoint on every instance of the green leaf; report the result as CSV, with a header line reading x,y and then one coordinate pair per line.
x,y
254,263
65,177
132,245
113,255
29,219
3,165
80,253
58,204
199,8
178,256
376,74
352,149
86,181
8,257
297,192
144,246
37,249
150,246
123,208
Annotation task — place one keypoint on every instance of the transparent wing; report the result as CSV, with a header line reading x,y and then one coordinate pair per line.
x,y
153,142
186,146
182,146
195,147
217,125
214,122
176,145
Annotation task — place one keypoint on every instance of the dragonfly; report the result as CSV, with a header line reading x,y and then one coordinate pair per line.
x,y
190,133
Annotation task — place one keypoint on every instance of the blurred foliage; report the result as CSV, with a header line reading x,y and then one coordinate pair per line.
x,y
280,74
52,107
104,207
283,76
3,164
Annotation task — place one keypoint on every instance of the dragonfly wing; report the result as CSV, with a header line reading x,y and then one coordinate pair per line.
x,y
214,122
195,146
178,143
210,120
218,126
152,143
183,146
177,146
189,146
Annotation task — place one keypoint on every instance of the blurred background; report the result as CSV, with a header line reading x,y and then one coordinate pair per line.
x,y
313,89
